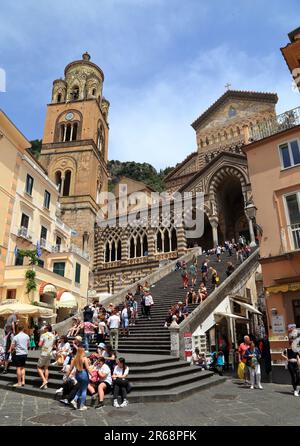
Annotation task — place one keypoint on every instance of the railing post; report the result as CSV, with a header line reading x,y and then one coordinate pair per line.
x,y
174,335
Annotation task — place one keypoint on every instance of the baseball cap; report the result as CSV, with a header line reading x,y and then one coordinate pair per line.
x,y
101,345
78,338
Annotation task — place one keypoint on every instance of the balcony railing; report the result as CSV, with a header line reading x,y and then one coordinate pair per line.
x,y
277,124
294,231
24,232
73,248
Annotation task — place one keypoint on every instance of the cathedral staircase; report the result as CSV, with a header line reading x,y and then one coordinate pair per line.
x,y
154,373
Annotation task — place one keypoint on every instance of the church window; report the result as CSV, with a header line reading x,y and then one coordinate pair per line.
x,y
59,97
58,180
74,133
174,239
231,112
94,92
68,132
67,183
75,93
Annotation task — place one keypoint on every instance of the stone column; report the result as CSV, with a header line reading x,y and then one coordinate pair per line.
x,y
174,334
246,133
181,241
151,244
124,240
251,230
214,224
62,185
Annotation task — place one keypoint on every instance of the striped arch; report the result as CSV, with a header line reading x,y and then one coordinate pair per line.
x,y
224,172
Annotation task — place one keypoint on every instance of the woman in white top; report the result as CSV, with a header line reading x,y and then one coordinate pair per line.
x,y
63,350
120,382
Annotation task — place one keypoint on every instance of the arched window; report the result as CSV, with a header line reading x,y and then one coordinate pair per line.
x,y
158,242
94,92
107,252
62,132
113,252
75,93
138,247
59,97
132,248
145,245
68,132
166,241
119,250
74,132
67,183
58,179
173,240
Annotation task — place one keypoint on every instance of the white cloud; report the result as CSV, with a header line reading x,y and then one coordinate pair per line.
x,y
152,123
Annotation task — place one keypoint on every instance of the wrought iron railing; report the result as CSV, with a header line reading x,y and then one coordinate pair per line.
x,y
294,231
277,124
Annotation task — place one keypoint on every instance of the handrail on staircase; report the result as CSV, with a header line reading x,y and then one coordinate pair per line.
x,y
232,284
152,278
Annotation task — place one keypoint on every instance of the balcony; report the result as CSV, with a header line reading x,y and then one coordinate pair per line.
x,y
294,231
24,233
72,249
277,124
62,226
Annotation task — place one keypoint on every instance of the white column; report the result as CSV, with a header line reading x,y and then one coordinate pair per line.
x,y
71,134
214,224
65,132
62,185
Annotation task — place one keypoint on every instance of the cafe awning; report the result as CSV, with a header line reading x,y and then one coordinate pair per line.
x,y
247,306
24,309
47,288
66,300
231,315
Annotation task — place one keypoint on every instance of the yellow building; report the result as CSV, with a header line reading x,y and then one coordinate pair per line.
x,y
12,146
62,272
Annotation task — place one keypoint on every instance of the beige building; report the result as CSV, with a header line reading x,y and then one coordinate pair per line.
x,y
12,145
62,269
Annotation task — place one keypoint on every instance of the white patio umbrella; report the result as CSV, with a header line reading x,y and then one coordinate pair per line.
x,y
24,309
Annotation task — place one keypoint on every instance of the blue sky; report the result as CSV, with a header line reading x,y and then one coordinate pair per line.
x,y
165,62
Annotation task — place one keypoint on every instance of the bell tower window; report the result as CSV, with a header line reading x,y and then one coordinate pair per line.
x,y
74,132
75,93
59,97
68,132
67,183
58,180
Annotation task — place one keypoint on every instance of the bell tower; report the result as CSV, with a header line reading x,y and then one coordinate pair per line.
x,y
75,146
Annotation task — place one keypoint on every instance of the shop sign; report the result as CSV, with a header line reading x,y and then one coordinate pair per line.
x,y
188,345
278,325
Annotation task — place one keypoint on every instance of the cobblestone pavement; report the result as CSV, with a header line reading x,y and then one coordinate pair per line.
x,y
230,403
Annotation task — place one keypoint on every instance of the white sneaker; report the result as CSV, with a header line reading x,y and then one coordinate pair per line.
x,y
116,404
260,387
83,408
59,390
54,363
252,387
296,393
124,404
74,404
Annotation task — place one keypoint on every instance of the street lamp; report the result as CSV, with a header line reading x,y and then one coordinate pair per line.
x,y
250,211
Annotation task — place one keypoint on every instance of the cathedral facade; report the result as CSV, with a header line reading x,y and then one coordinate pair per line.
x,y
75,153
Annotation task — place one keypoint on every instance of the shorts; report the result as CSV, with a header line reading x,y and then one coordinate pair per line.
x,y
19,360
44,361
108,386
